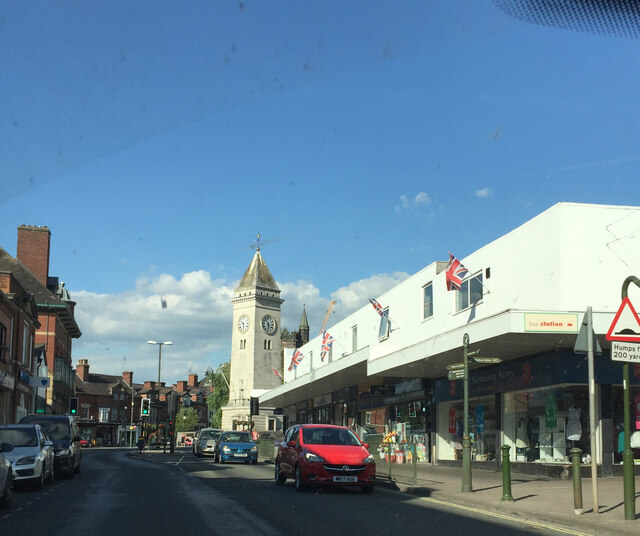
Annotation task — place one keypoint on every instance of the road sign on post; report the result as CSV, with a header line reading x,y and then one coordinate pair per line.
x,y
626,324
455,374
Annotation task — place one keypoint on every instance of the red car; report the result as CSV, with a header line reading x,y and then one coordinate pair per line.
x,y
84,443
324,455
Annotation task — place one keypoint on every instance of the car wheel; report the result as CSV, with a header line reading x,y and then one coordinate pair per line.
x,y
280,477
51,475
7,497
38,482
300,485
366,489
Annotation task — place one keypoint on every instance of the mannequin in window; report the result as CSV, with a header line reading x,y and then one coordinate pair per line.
x,y
574,428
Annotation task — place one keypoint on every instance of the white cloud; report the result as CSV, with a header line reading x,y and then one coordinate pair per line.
x,y
422,199
198,319
484,192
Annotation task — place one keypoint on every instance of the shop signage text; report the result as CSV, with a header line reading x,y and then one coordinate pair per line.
x,y
551,322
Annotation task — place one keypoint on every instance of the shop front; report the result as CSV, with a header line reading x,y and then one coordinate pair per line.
x,y
539,406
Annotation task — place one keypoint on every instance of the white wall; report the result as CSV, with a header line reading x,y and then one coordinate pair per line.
x,y
567,258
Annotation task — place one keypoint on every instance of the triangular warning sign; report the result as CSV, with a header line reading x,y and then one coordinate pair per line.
x,y
625,325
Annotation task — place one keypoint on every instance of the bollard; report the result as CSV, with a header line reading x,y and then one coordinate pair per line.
x,y
506,474
576,461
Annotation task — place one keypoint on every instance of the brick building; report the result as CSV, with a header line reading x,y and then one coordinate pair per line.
x,y
105,407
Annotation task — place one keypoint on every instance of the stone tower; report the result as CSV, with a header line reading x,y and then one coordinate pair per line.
x,y
256,346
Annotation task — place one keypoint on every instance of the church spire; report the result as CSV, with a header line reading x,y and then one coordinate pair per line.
x,y
303,330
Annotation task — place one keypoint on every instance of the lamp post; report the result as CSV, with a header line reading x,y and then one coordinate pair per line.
x,y
160,344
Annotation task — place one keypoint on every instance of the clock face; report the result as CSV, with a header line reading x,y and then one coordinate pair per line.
x,y
243,323
268,324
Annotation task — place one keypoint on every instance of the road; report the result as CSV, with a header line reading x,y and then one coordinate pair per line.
x,y
118,494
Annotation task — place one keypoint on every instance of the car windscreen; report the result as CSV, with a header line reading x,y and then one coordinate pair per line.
x,y
19,437
209,434
329,436
56,430
236,437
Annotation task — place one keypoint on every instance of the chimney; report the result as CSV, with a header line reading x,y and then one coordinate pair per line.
x,y
182,386
33,250
82,370
127,376
193,380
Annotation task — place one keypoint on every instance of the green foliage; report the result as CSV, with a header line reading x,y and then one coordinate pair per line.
x,y
187,420
220,396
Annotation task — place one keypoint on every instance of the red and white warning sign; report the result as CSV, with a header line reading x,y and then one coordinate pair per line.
x,y
626,324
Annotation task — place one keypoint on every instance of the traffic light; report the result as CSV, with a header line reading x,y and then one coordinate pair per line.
x,y
146,404
73,405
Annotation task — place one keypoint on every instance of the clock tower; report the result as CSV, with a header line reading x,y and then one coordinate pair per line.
x,y
256,347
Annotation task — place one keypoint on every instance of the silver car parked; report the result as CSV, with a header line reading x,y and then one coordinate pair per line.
x,y
207,442
6,477
32,456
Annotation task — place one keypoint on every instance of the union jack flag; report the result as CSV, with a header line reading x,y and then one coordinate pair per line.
x,y
377,307
455,273
327,341
295,360
277,373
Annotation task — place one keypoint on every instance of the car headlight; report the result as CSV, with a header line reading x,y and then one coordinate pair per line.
x,y
311,457
226,449
28,460
63,452
369,459
254,448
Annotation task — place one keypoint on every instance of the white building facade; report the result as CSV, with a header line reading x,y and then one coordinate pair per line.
x,y
523,301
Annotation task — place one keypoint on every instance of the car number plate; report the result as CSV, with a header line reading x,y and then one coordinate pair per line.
x,y
345,478
240,455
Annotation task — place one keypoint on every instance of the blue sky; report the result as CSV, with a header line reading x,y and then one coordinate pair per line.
x,y
363,140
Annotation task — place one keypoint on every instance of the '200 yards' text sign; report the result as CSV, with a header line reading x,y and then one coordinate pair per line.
x,y
625,351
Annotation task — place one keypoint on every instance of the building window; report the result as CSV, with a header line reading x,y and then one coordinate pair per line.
x,y
470,292
103,414
85,412
272,425
427,301
385,325
25,344
354,338
4,349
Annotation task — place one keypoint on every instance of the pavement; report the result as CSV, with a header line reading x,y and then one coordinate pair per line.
x,y
538,501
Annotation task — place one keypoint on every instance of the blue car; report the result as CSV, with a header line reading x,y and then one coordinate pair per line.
x,y
237,446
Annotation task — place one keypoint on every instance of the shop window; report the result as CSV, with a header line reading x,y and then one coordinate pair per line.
x,y
482,429
543,425
470,292
427,301
385,324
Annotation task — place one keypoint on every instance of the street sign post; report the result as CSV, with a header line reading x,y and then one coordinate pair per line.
x,y
625,351
626,328
485,360
456,366
455,374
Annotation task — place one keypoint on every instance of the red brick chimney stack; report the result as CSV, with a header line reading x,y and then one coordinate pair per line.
x,y
82,370
181,387
33,250
127,376
193,380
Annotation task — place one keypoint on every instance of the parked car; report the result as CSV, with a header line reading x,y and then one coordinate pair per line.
x,y
85,443
6,476
324,455
32,454
237,446
188,441
207,442
63,432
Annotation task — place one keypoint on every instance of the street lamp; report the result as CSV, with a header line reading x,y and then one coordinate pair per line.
x,y
160,344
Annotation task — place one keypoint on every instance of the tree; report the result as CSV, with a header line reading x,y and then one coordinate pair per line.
x,y
187,420
220,395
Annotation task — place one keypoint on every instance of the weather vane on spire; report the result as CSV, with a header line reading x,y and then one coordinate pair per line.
x,y
258,241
